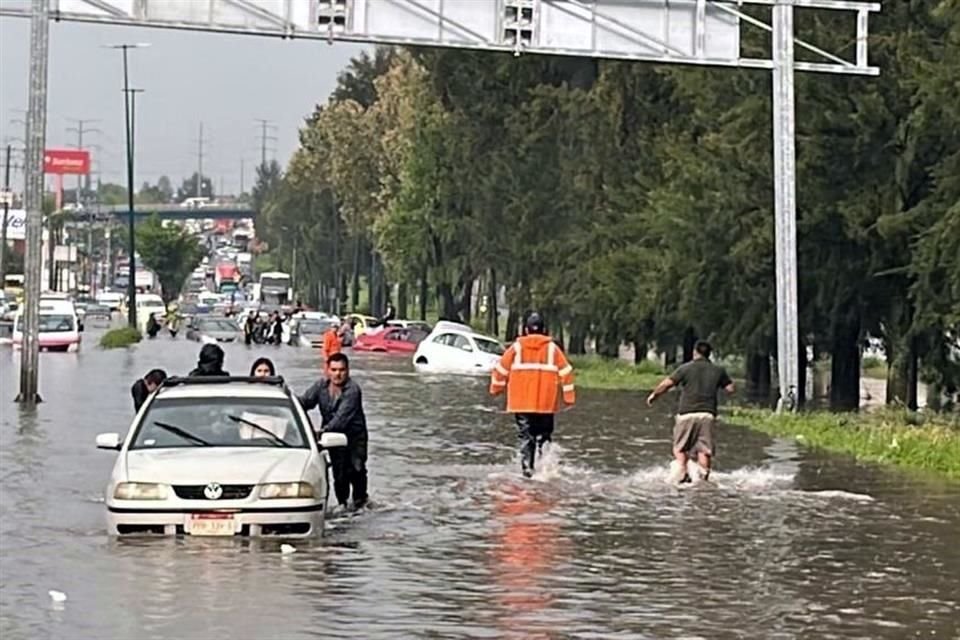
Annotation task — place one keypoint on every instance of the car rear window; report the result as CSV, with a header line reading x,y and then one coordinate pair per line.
x,y
220,422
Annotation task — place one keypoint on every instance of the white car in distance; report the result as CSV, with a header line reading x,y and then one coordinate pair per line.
x,y
217,456
456,348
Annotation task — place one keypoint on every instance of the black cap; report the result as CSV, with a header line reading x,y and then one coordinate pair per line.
x,y
534,323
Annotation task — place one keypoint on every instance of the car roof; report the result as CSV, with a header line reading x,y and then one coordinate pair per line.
x,y
223,390
445,326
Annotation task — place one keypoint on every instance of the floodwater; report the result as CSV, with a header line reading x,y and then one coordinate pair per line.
x,y
785,543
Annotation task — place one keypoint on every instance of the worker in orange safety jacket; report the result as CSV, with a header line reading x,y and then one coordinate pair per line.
x,y
331,342
533,371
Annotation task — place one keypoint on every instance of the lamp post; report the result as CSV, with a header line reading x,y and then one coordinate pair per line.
x,y
128,106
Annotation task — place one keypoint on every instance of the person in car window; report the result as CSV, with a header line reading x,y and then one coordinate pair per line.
x,y
210,362
341,408
146,385
262,368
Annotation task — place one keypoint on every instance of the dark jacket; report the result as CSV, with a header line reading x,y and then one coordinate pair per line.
x,y
140,393
341,415
210,362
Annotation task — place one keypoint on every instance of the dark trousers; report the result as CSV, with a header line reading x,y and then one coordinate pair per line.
x,y
349,472
533,430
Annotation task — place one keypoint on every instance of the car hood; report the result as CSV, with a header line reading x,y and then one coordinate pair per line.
x,y
226,465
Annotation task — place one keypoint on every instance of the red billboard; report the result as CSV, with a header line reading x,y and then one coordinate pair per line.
x,y
66,161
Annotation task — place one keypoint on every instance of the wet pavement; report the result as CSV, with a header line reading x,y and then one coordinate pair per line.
x,y
784,543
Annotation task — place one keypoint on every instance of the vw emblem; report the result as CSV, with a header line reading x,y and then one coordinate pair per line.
x,y
213,491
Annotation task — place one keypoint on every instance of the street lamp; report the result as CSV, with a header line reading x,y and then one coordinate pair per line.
x,y
128,99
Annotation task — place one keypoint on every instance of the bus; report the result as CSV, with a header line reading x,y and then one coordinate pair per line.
x,y
275,288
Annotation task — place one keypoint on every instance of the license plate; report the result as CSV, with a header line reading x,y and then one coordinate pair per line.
x,y
212,524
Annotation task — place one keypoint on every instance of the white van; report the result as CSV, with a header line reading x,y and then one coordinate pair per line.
x,y
59,326
148,303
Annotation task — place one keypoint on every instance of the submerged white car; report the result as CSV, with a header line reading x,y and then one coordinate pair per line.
x,y
456,348
209,456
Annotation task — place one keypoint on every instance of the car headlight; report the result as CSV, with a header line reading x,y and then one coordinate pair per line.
x,y
286,490
141,491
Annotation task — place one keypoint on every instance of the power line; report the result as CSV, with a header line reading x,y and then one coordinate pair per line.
x,y
83,182
265,127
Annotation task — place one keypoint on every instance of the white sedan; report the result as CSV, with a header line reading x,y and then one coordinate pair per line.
x,y
456,348
213,456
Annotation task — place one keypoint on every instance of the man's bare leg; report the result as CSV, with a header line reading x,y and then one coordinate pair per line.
x,y
703,459
680,474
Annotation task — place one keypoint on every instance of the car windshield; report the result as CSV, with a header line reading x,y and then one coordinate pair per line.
x,y
218,325
489,346
314,326
219,422
52,323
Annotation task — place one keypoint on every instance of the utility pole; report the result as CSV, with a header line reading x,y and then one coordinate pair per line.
x,y
33,201
80,129
7,197
129,96
266,126
200,163
241,176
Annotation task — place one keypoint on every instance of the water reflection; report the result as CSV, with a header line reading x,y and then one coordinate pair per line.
x,y
528,545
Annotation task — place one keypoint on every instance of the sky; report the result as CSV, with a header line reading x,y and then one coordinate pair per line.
x,y
226,82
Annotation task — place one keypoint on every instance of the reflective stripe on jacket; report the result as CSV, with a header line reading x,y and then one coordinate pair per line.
x,y
533,371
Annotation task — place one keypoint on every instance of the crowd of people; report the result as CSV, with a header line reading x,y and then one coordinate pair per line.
x,y
533,372
336,396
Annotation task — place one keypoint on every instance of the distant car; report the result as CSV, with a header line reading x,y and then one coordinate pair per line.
x,y
361,322
310,331
209,329
59,326
219,457
98,314
411,324
389,340
456,348
112,299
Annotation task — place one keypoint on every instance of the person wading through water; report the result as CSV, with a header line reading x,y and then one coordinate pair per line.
x,y
699,381
341,407
533,371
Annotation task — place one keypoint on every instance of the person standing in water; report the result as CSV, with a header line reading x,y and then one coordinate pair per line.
x,y
341,409
699,381
534,372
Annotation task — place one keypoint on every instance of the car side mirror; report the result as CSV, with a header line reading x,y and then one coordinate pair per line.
x,y
329,440
109,441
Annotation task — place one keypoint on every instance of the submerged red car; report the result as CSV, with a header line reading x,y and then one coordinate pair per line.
x,y
389,340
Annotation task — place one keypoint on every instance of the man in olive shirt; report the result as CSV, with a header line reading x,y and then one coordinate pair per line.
x,y
699,380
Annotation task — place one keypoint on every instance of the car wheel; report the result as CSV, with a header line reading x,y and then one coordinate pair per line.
x,y
421,360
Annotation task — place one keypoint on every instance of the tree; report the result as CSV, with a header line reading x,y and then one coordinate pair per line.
x,y
170,252
189,188
112,194
267,182
161,193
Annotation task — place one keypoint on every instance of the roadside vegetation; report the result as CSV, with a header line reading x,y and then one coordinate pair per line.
x,y
929,442
594,372
119,338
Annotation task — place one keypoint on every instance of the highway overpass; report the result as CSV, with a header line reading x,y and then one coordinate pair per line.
x,y
176,212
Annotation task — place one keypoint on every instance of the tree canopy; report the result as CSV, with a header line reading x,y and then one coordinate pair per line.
x,y
633,203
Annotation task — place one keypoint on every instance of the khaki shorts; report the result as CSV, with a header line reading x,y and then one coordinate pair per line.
x,y
693,433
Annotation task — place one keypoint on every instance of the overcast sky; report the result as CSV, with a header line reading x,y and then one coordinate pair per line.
x,y
226,82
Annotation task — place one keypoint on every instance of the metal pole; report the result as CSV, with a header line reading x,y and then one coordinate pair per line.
x,y
33,203
131,283
785,205
6,213
200,163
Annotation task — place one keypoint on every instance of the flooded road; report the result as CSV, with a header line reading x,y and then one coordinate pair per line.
x,y
785,544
